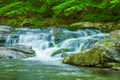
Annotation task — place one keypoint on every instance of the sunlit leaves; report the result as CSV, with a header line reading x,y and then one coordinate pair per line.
x,y
7,7
115,1
55,8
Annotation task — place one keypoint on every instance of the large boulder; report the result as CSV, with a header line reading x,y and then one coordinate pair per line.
x,y
105,53
105,27
16,52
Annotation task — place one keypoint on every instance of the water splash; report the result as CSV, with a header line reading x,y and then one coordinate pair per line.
x,y
44,41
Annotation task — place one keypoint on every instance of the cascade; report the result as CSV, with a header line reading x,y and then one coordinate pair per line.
x,y
47,41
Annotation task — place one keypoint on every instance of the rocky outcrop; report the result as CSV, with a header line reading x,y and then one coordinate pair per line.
x,y
5,28
4,31
115,34
105,27
105,53
16,52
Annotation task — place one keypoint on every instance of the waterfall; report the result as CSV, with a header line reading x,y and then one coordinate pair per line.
x,y
47,41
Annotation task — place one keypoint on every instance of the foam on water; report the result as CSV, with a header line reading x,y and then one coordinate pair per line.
x,y
44,41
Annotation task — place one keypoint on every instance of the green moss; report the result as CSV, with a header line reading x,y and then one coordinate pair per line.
x,y
93,57
111,64
56,42
109,44
59,51
101,17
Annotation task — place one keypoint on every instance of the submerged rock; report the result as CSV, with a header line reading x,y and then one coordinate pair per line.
x,y
16,52
103,52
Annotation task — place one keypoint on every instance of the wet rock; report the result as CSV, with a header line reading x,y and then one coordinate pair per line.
x,y
116,68
113,65
4,31
5,28
22,48
85,58
103,52
16,52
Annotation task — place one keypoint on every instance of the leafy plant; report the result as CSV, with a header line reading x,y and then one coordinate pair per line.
x,y
7,7
62,11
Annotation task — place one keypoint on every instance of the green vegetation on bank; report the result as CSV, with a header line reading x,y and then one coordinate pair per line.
x,y
57,12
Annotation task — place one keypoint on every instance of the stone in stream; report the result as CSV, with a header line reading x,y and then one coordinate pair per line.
x,y
4,31
16,52
105,53
5,28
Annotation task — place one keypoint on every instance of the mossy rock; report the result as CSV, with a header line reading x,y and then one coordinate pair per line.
x,y
105,27
115,34
91,57
105,53
113,65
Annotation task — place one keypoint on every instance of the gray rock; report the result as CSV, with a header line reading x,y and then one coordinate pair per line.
x,y
5,28
22,48
4,31
16,52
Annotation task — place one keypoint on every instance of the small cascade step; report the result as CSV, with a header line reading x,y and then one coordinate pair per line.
x,y
47,41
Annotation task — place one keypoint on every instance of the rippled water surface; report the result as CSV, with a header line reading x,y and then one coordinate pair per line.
x,y
37,70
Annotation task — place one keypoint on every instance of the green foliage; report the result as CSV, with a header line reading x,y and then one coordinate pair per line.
x,y
61,10
72,6
98,17
115,3
7,7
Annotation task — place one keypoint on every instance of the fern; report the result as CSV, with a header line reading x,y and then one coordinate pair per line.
x,y
7,7
58,9
71,6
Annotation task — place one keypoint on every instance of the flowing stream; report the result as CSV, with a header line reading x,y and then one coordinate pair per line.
x,y
51,45
46,42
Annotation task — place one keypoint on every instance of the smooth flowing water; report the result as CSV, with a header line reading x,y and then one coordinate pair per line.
x,y
38,70
46,67
47,41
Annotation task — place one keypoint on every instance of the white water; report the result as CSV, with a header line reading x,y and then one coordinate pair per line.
x,y
43,41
